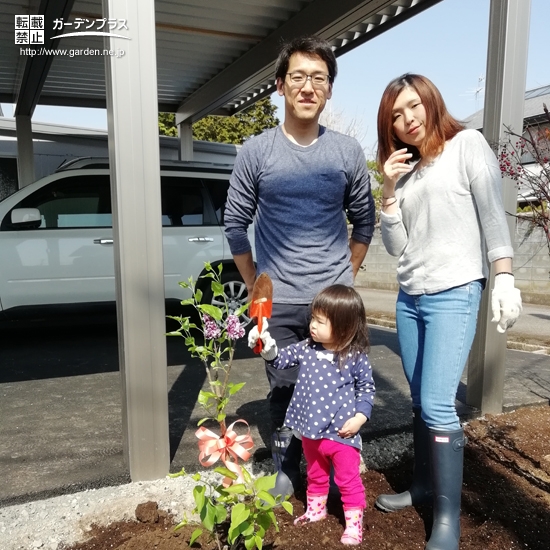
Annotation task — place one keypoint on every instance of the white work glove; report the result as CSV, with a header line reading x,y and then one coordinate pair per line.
x,y
505,302
269,350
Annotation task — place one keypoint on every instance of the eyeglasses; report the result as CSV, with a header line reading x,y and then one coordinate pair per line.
x,y
300,79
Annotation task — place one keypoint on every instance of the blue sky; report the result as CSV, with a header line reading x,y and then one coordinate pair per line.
x,y
447,43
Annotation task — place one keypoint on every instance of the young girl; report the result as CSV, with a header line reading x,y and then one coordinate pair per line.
x,y
332,399
442,216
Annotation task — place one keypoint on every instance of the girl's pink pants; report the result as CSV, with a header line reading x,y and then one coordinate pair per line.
x,y
320,454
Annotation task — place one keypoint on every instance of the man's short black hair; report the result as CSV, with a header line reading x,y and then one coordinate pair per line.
x,y
309,45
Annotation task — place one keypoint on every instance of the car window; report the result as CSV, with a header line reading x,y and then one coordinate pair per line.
x,y
77,201
183,201
218,194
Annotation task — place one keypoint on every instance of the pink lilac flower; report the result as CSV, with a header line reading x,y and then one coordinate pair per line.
x,y
234,328
211,328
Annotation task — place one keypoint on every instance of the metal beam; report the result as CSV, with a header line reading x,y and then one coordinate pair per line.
x,y
504,101
135,189
326,18
37,66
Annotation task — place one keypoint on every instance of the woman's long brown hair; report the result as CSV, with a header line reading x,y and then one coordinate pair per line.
x,y
440,125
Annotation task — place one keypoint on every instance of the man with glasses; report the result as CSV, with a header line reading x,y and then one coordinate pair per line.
x,y
299,183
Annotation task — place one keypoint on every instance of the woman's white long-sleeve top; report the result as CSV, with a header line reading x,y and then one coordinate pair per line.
x,y
450,218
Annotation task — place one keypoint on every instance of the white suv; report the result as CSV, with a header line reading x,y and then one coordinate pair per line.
x,y
56,237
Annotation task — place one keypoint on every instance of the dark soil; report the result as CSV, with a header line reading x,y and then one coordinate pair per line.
x,y
505,504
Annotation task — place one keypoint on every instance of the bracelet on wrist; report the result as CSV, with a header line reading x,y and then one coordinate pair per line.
x,y
389,203
504,273
388,198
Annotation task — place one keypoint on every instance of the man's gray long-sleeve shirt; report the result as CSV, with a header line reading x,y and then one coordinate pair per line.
x,y
297,197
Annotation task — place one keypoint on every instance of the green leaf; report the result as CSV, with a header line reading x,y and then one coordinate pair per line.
x,y
183,284
187,302
220,268
207,276
196,477
208,266
175,317
208,516
213,311
234,388
249,529
205,396
195,535
178,474
189,341
198,295
264,521
265,483
264,495
239,514
221,513
287,506
259,542
249,543
246,475
202,421
273,519
174,333
181,524
217,288
199,496
238,489
226,472
241,309
221,417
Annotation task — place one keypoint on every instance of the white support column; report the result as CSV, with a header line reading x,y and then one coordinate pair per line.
x,y
132,115
185,130
25,150
504,101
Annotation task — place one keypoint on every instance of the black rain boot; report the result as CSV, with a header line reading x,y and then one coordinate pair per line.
x,y
447,459
287,454
420,491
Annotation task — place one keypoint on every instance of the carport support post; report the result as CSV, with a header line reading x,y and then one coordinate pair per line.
x,y
504,101
185,130
132,116
25,150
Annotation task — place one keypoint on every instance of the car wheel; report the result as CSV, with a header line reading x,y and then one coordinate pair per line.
x,y
235,295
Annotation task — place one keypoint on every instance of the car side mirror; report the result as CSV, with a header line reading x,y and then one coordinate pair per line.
x,y
26,218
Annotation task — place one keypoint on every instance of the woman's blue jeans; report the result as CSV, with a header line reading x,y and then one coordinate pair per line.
x,y
435,333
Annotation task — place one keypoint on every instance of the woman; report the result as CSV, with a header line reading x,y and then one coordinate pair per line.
x,y
442,216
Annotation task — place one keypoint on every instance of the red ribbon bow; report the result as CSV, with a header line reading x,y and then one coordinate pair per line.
x,y
229,448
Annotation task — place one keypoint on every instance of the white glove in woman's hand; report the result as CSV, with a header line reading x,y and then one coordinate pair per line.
x,y
505,302
269,350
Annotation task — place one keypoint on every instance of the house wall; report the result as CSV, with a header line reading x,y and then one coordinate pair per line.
x,y
531,265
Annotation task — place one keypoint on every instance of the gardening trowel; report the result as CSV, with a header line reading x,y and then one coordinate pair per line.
x,y
261,304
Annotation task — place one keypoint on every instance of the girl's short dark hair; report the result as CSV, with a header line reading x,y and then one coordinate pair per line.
x,y
440,125
309,45
345,310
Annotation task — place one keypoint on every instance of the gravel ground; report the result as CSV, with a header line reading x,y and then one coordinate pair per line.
x,y
46,524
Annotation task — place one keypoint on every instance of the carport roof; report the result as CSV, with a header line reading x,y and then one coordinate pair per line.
x,y
213,56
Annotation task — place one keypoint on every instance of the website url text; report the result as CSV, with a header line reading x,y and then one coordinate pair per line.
x,y
31,52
